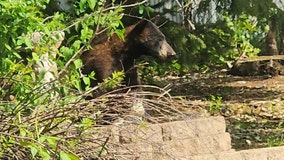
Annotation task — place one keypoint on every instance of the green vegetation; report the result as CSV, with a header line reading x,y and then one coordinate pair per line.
x,y
216,44
215,104
35,112
37,115
275,141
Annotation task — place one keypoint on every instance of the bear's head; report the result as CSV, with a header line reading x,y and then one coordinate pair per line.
x,y
149,40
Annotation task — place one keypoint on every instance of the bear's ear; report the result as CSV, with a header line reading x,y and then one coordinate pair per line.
x,y
140,26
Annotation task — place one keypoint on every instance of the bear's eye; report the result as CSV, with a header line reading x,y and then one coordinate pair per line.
x,y
160,38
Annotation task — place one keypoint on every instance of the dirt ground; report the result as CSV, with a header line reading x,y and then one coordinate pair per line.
x,y
253,106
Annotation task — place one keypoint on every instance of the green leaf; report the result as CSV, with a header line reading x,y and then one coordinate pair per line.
x,y
42,139
76,45
78,63
28,43
32,146
87,123
52,141
34,151
118,75
177,66
77,85
120,33
44,154
86,33
66,52
67,156
23,132
92,4
8,47
17,55
35,57
86,81
141,9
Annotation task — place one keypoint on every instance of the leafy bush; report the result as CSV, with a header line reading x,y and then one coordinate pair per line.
x,y
213,45
36,112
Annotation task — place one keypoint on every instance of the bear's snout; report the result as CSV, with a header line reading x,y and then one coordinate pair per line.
x,y
166,51
170,52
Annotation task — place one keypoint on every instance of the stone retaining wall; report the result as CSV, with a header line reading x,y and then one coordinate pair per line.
x,y
193,139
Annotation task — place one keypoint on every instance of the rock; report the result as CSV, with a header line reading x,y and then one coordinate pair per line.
x,y
262,65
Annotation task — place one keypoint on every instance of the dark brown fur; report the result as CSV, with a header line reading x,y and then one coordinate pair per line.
x,y
143,38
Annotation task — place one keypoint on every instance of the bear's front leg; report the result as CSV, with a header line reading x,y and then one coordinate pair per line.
x,y
132,78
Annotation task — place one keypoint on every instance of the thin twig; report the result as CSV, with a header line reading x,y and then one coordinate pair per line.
x,y
103,146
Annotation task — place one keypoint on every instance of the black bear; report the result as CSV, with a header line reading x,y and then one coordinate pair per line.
x,y
114,54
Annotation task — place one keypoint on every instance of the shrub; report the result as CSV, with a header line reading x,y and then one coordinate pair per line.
x,y
37,115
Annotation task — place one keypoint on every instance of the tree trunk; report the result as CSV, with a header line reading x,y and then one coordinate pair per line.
x,y
271,44
282,45
282,40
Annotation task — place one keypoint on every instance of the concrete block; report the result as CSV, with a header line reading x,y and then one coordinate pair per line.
x,y
193,128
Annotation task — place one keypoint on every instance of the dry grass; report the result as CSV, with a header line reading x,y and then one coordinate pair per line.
x,y
81,127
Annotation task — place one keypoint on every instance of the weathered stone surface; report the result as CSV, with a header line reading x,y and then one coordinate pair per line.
x,y
132,151
194,146
193,128
179,139
190,139
274,153
138,134
173,149
178,130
